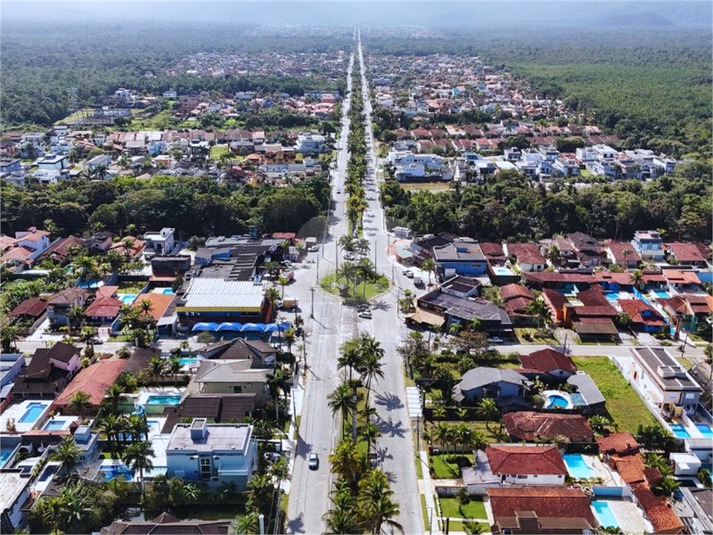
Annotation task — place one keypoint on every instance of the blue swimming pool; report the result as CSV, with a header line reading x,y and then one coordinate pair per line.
x,y
660,294
705,430
680,431
54,425
163,400
34,411
164,291
127,299
605,515
553,400
4,456
185,361
578,467
110,472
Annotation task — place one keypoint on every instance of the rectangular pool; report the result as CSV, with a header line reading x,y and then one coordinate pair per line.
x,y
679,431
164,291
705,430
5,455
34,411
127,299
605,515
185,361
110,472
660,294
54,425
163,400
577,466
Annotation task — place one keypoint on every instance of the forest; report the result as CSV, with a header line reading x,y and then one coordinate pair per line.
x,y
650,86
508,209
41,63
193,206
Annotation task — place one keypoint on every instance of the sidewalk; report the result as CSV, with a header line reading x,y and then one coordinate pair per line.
x,y
429,494
295,409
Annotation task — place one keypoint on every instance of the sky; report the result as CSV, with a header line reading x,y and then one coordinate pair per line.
x,y
364,12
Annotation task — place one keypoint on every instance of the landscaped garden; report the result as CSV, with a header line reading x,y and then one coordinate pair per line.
x,y
623,403
364,289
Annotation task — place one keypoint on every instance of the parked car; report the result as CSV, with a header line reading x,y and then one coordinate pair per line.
x,y
366,314
408,273
313,461
362,308
418,282
495,340
97,341
313,248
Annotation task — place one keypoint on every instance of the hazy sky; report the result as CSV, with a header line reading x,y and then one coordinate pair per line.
x,y
365,12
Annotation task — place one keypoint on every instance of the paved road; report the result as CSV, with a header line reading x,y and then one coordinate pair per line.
x,y
331,326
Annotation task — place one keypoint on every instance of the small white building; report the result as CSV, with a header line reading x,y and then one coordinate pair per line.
x,y
14,492
160,242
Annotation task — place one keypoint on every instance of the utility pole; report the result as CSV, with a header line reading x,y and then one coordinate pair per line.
x,y
311,315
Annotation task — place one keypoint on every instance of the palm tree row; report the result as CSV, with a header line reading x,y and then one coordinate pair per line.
x,y
455,435
362,355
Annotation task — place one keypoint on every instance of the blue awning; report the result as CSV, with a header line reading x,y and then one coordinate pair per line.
x,y
230,327
205,327
257,327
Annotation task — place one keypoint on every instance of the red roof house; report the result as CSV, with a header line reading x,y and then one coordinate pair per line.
x,y
103,309
643,316
531,426
93,381
515,464
548,362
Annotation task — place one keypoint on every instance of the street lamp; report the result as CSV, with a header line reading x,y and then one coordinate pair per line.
x,y
311,315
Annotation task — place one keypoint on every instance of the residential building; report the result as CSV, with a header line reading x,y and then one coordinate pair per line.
x,y
216,454
166,523
9,165
649,245
623,254
540,426
535,510
100,241
526,464
660,377
209,299
214,407
644,317
48,373
548,363
682,281
310,143
455,309
480,383
462,257
233,377
685,254
102,160
53,162
14,494
160,243
694,508
261,354
94,381
527,255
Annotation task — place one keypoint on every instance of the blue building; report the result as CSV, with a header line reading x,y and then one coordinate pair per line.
x,y
462,257
217,454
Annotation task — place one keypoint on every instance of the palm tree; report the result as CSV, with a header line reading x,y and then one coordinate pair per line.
x,y
137,427
138,458
625,253
53,512
346,460
540,310
366,269
290,337
340,521
174,366
273,268
637,278
283,281
75,317
668,486
382,511
79,403
113,397
85,266
370,432
248,524
443,435
277,383
342,401
155,367
370,369
272,296
488,410
362,245
554,255
68,454
145,307
430,266
347,243
110,425
351,357
127,245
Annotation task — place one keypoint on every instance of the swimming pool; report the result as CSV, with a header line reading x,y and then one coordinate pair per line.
x,y
54,425
705,430
163,400
34,410
679,431
577,466
164,291
556,399
127,299
605,515
5,455
185,361
110,472
660,294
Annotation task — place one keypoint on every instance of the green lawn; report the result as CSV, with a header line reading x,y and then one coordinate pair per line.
x,y
475,509
534,339
424,511
445,468
623,403
216,151
426,186
373,288
457,525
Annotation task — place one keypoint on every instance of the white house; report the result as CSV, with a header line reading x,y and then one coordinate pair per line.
x,y
649,245
37,240
160,242
14,492
102,160
310,143
53,162
216,454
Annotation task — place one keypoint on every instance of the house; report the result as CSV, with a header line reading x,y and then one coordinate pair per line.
x,y
213,299
99,242
462,311
539,426
258,352
527,255
9,165
694,509
60,250
94,381
644,317
480,383
102,160
14,494
134,249
680,313
160,243
684,254
36,240
589,250
649,245
660,377
589,399
29,309
233,377
87,441
103,310
53,162
623,254
48,373
11,365
461,257
534,510
494,253
527,464
548,363
682,280
216,454
310,143
166,523
214,407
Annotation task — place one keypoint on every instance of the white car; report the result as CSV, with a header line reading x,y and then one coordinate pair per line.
x,y
366,314
408,273
495,340
313,461
313,248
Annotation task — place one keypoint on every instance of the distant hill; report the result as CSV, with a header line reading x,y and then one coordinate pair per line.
x,y
646,18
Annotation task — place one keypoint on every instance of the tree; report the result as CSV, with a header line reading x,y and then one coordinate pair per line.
x,y
463,499
155,367
289,337
382,511
351,357
260,493
283,281
623,320
248,524
371,368
75,317
488,410
342,401
138,458
79,403
113,397
174,367
430,266
68,454
272,296
599,424
444,435
473,528
110,425
668,486
346,460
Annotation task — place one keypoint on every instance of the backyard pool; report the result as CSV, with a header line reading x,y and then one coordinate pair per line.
x,y
660,294
163,400
34,410
605,515
679,430
556,399
112,471
5,455
127,299
705,430
186,361
164,291
577,466
54,425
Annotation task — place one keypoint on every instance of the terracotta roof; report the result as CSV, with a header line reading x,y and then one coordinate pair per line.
x,y
545,502
525,460
635,307
104,307
700,303
558,276
547,360
681,277
137,245
61,247
528,425
593,297
29,307
107,291
517,305
492,250
630,467
557,299
623,279
94,381
159,303
685,252
658,510
617,249
17,253
595,311
511,291
526,253
67,297
595,326
653,276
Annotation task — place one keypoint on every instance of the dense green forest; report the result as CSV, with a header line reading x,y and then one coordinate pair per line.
x,y
507,208
650,86
194,206
40,63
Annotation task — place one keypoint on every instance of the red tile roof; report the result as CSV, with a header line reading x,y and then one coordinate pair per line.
x,y
617,249
593,297
526,253
94,381
545,502
618,443
517,306
557,276
525,460
17,253
674,276
103,307
623,279
511,291
635,307
29,307
159,303
68,296
547,360
685,252
658,510
61,248
528,425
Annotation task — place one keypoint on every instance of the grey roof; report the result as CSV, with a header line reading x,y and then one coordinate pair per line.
x,y
586,388
479,377
459,251
480,473
11,487
654,358
212,371
466,308
219,437
217,293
